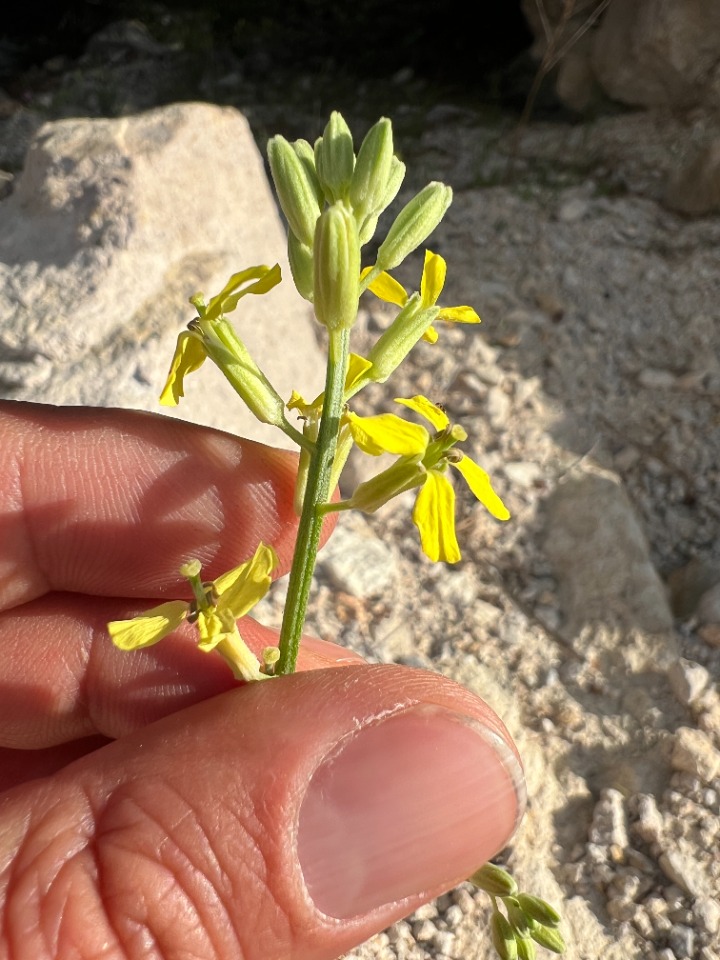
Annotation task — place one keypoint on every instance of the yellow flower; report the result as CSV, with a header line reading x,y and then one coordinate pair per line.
x,y
426,460
198,342
431,285
216,608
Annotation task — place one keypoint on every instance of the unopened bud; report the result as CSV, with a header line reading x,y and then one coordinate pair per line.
x,y
547,937
372,171
502,937
526,949
301,266
494,880
335,158
295,190
518,920
336,255
414,224
539,910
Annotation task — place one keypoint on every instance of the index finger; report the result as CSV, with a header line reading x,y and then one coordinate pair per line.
x,y
112,502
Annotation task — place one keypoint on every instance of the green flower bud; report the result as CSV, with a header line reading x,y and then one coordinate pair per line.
x,y
526,950
414,224
335,158
547,937
295,189
369,224
518,920
539,910
502,937
494,880
404,474
306,155
372,170
336,283
301,266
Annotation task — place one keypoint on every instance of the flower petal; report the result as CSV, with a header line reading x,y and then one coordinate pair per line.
x,y
189,356
387,433
479,482
388,289
434,516
430,335
148,628
357,368
226,301
426,408
458,315
240,589
433,278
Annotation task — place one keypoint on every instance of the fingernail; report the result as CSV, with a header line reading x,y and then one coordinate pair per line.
x,y
407,805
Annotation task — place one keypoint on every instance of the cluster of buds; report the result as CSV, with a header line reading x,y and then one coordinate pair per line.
x,y
332,200
527,920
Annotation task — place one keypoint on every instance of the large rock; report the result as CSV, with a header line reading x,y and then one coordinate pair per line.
x,y
113,224
601,558
648,53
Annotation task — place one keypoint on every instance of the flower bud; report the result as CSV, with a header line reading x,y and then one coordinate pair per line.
x,y
336,255
502,937
518,920
415,222
295,189
538,909
372,170
335,158
547,937
526,949
301,266
400,337
306,155
494,880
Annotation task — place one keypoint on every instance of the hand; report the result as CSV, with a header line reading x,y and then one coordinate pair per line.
x,y
153,806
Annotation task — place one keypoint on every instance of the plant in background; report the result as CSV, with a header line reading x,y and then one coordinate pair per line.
x,y
332,200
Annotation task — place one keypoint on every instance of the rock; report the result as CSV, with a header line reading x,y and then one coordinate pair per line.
x,y
688,680
522,473
695,188
647,53
498,407
654,379
682,869
609,822
600,556
111,226
694,753
708,608
356,561
688,583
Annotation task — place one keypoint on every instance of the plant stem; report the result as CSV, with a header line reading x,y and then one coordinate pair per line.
x,y
317,492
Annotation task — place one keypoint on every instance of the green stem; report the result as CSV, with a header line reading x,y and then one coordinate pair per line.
x,y
317,492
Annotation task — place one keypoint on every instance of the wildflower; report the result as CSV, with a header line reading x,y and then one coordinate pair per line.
x,y
216,608
423,463
431,285
210,334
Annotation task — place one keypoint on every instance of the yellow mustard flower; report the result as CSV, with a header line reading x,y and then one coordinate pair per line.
x,y
423,463
431,285
200,339
216,608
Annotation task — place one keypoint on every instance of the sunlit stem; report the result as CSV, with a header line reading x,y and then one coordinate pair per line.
x,y
317,492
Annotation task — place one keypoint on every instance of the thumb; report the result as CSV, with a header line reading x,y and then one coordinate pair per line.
x,y
286,820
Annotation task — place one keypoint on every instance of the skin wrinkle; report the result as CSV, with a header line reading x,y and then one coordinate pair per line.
x,y
205,895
